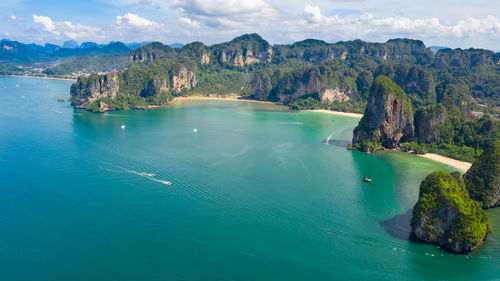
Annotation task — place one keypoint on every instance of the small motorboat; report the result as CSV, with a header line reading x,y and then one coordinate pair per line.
x,y
60,99
367,179
122,126
195,130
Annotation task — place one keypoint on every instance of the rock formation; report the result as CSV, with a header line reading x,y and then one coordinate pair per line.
x,y
388,118
311,82
291,86
184,80
93,87
427,119
446,216
483,178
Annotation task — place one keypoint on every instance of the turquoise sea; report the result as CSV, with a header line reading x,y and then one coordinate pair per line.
x,y
256,195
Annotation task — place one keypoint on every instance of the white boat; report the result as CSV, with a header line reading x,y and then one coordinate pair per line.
x,y
122,126
195,130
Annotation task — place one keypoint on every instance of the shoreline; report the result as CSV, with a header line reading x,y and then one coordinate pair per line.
x,y
231,98
341,113
41,77
457,164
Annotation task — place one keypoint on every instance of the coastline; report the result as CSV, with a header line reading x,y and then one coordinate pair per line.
x,y
460,165
348,114
42,77
231,98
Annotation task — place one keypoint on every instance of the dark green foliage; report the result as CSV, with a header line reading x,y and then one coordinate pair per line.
x,y
483,178
459,80
447,214
103,63
417,83
6,69
306,102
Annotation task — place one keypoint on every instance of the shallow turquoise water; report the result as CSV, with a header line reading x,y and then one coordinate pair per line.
x,y
256,196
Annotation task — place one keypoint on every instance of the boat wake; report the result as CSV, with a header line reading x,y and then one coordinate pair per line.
x,y
149,176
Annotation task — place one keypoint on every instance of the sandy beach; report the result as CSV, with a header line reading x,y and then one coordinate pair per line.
x,y
461,165
232,98
349,114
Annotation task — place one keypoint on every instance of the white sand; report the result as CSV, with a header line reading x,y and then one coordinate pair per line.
x,y
349,114
461,165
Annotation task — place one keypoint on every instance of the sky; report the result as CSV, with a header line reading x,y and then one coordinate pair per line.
x,y
456,24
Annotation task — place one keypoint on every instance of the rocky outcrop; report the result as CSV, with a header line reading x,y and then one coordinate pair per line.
x,y
155,87
205,58
184,80
388,118
290,87
446,216
427,119
483,178
312,83
88,89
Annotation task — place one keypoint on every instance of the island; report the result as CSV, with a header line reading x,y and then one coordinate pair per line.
x,y
449,211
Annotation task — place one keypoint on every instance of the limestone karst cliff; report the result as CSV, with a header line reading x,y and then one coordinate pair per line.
x,y
445,215
284,87
88,89
114,91
427,121
387,120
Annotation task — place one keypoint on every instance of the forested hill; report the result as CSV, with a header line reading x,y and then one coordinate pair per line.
x,y
313,73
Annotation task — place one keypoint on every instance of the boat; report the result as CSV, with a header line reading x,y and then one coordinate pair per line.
x,y
122,126
195,130
60,99
367,179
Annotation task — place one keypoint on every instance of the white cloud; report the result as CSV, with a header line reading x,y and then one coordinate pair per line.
x,y
48,24
189,22
134,20
215,8
372,27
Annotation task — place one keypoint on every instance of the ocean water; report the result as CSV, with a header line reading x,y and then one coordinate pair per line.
x,y
256,195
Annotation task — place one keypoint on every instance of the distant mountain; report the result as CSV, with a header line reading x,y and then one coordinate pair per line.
x,y
437,48
176,45
71,44
136,45
88,44
14,52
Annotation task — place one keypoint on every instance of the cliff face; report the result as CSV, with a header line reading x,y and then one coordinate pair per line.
x,y
446,216
291,86
111,91
243,50
88,89
426,120
184,80
388,117
311,82
483,178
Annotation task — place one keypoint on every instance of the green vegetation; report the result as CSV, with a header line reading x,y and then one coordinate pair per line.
x,y
366,145
446,215
483,178
305,103
103,63
6,69
441,87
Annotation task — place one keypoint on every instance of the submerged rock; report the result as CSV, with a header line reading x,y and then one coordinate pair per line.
x,y
483,178
388,118
445,215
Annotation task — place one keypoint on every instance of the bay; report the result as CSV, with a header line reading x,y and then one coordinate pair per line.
x,y
256,195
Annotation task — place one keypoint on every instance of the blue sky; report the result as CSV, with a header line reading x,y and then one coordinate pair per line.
x,y
459,23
